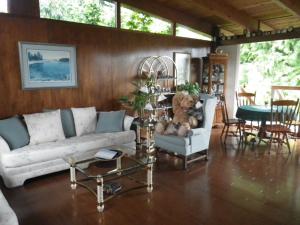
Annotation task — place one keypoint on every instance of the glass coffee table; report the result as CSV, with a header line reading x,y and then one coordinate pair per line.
x,y
86,171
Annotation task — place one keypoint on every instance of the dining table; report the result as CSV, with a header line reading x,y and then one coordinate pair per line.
x,y
258,113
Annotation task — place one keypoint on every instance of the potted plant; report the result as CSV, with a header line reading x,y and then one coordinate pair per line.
x,y
191,88
141,96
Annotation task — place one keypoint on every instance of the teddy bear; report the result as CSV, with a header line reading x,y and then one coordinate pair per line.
x,y
183,106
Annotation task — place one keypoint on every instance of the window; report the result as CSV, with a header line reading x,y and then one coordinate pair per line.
x,y
96,12
133,19
3,6
183,31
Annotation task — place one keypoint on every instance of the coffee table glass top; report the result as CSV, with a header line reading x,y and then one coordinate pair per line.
x,y
77,157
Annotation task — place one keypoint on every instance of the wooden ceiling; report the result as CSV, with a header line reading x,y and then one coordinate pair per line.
x,y
233,16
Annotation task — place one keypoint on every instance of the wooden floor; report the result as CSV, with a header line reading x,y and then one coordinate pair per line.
x,y
235,187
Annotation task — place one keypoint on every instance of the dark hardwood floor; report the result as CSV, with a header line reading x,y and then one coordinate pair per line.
x,y
235,187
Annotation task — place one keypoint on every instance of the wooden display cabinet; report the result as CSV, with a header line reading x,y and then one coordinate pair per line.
x,y
214,74
213,79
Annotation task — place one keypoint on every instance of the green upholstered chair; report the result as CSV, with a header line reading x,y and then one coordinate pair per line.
x,y
197,141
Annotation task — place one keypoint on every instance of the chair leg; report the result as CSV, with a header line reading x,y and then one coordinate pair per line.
x,y
222,133
226,134
259,134
245,135
270,142
185,162
279,140
240,133
287,142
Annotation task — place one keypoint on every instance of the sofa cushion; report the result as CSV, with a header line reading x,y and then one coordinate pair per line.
x,y
110,121
44,127
14,132
128,122
7,215
68,123
49,151
85,120
178,144
177,140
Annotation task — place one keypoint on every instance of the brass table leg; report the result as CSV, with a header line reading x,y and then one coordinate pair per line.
x,y
73,177
150,176
100,197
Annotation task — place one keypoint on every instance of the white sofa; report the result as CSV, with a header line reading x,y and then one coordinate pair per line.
x,y
7,215
35,160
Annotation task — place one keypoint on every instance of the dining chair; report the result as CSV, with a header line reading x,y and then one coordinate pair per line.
x,y
229,122
295,125
281,117
245,98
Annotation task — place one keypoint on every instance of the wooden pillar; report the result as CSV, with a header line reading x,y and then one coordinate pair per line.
x,y
24,7
118,14
215,43
174,25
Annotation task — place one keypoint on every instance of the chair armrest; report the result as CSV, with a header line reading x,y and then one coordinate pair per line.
x,y
3,146
199,139
197,131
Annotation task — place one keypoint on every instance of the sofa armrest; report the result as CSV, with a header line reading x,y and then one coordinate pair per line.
x,y
7,215
3,146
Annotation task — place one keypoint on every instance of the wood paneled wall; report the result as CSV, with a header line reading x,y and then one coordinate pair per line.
x,y
107,62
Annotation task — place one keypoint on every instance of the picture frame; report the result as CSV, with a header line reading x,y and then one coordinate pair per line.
x,y
183,65
45,65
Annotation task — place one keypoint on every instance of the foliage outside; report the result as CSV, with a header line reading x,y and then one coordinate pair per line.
x,y
270,63
96,12
135,20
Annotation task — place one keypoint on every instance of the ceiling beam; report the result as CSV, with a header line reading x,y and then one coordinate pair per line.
x,y
272,37
226,11
226,32
293,6
171,14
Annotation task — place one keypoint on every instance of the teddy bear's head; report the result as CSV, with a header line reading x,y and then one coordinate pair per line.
x,y
187,102
183,101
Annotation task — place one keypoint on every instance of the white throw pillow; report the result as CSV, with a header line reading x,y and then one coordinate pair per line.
x,y
44,127
85,120
127,122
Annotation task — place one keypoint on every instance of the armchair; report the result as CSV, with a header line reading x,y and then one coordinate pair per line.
x,y
197,140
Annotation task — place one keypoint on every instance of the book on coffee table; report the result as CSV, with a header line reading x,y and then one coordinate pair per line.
x,y
106,153
112,188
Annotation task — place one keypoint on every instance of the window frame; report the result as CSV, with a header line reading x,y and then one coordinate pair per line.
x,y
207,37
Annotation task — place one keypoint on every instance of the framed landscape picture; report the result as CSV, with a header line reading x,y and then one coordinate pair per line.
x,y
183,64
47,65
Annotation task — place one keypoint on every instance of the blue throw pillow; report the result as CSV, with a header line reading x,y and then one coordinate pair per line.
x,y
14,132
110,121
68,124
